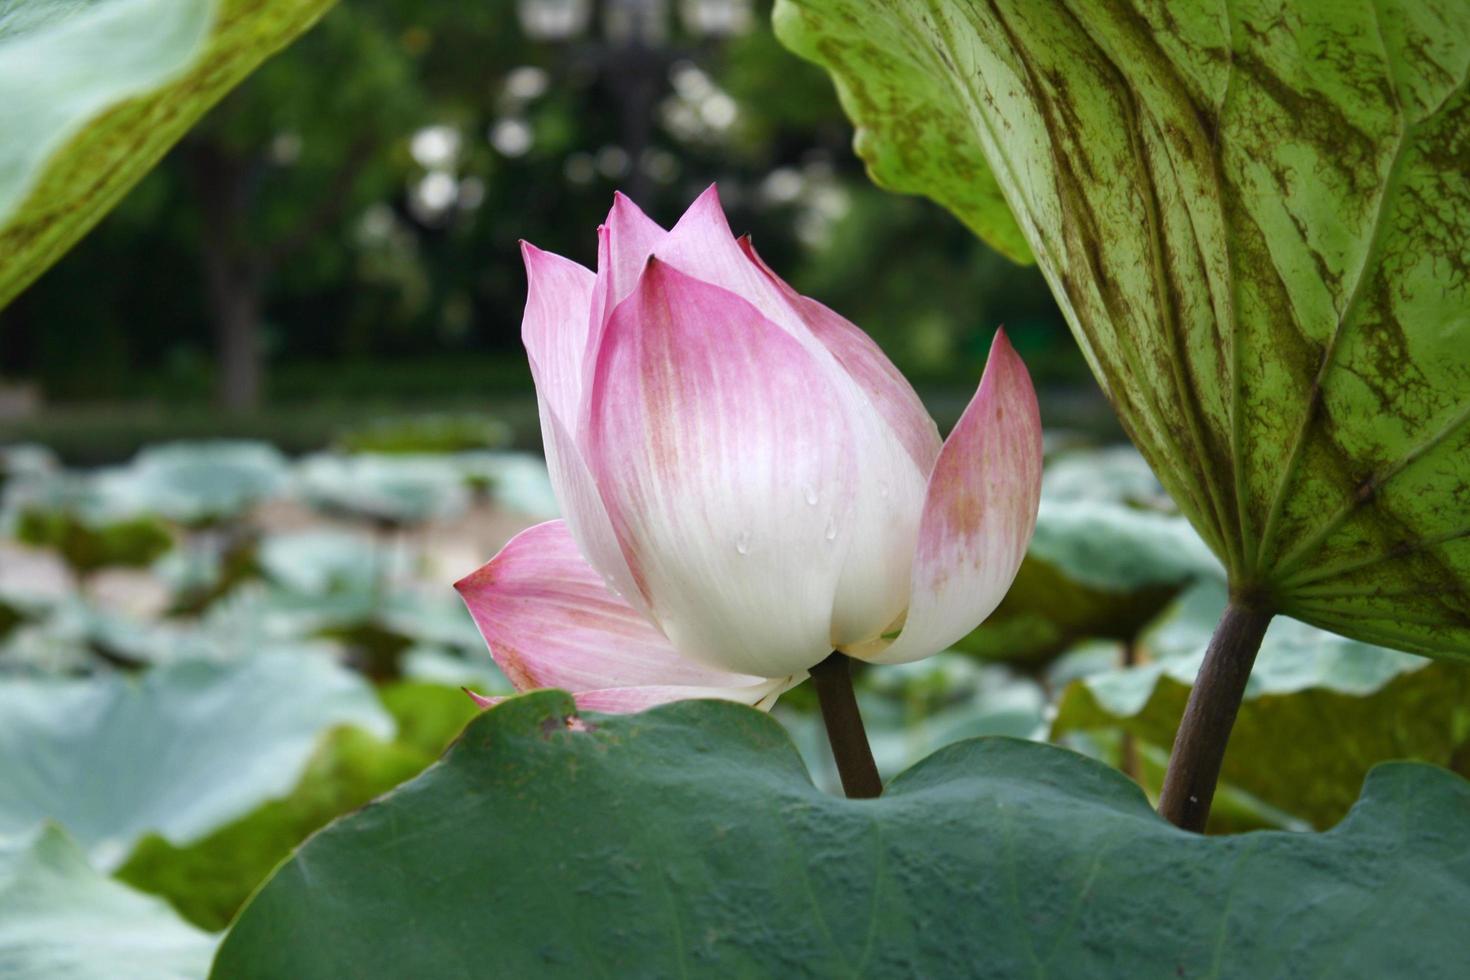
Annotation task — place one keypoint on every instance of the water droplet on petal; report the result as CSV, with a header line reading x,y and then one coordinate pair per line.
x,y
810,493
742,543
882,489
831,529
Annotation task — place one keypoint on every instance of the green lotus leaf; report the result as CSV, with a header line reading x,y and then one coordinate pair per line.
x,y
60,918
93,94
180,751
689,840
208,880
199,483
1256,219
393,489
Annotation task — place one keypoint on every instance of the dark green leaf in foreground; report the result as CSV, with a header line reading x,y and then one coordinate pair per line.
x,y
1255,218
59,918
93,94
688,840
1319,712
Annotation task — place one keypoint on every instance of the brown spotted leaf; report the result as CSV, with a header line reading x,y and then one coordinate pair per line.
x,y
1256,219
93,94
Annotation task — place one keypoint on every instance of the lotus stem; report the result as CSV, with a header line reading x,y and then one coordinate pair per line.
x,y
1128,749
1204,731
854,757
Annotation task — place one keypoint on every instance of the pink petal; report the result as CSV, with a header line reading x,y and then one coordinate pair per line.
x,y
723,452
551,622
624,243
554,330
586,515
978,515
886,387
554,326
701,245
481,701
618,700
882,526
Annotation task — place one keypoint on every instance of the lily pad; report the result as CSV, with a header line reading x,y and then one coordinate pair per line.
x,y
327,561
23,461
1254,219
390,489
688,840
93,94
199,483
179,751
60,918
516,481
209,879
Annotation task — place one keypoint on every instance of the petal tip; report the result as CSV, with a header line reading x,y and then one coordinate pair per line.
x,y
1001,343
707,207
480,700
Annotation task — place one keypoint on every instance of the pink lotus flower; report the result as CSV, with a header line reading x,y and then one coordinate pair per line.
x,y
748,482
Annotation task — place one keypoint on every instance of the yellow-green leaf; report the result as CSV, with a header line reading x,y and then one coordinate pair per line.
x,y
93,94
1256,219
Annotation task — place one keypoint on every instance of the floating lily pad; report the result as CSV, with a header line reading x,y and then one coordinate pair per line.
x,y
60,918
199,482
407,489
516,481
179,751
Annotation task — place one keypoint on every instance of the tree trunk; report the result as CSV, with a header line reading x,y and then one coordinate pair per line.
x,y
233,275
234,302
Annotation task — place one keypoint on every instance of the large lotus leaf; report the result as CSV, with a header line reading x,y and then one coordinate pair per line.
x,y
77,636
405,489
516,481
93,94
179,751
208,880
1256,219
1319,712
60,918
330,561
23,461
1110,550
689,841
199,482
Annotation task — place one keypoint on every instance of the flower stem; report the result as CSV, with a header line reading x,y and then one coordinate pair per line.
x,y
1128,750
1204,731
833,681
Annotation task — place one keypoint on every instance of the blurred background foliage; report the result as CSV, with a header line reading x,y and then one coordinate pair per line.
x,y
339,236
